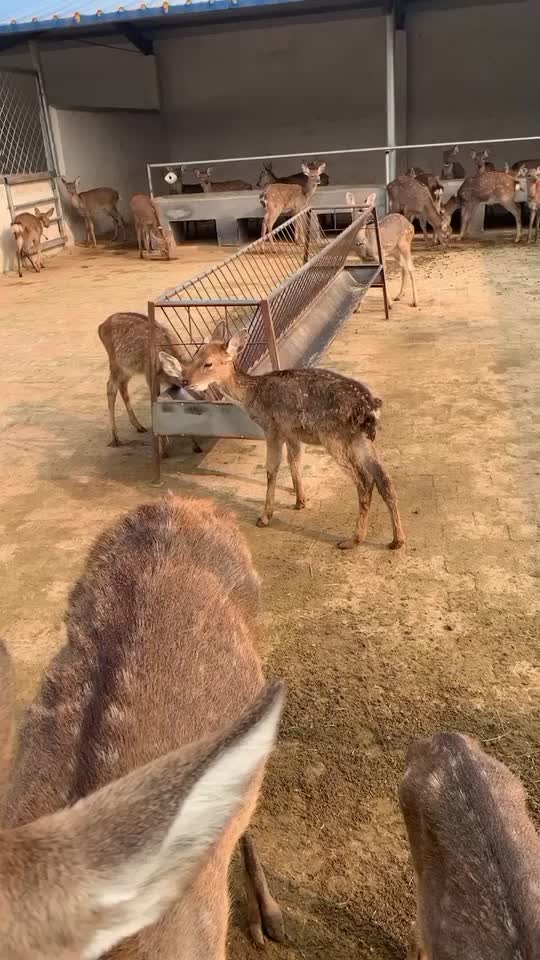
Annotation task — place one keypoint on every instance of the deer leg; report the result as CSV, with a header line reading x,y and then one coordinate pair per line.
x,y
536,222
423,227
274,450
407,269
466,214
387,491
264,913
90,232
123,388
19,261
139,240
364,488
112,390
515,210
294,457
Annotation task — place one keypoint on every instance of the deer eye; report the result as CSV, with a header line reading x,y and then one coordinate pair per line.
x,y
208,365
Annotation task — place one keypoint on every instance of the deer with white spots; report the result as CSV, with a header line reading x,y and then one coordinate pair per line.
x,y
140,760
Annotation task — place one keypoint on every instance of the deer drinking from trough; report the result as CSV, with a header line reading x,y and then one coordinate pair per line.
x,y
126,338
148,227
291,198
487,187
475,853
90,203
412,199
397,234
219,186
139,762
452,169
295,407
27,229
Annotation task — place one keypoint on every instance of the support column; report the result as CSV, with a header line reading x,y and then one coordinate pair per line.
x,y
390,27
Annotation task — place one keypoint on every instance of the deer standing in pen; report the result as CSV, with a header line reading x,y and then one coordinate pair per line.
x,y
140,760
219,186
291,198
149,229
268,176
487,187
533,199
397,234
412,199
126,338
27,230
475,852
452,169
430,181
295,407
90,203
481,161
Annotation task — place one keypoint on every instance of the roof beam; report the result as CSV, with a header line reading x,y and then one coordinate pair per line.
x,y
143,43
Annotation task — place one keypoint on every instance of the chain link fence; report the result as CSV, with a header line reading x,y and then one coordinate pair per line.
x,y
22,143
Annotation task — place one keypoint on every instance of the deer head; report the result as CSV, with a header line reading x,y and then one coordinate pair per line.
x,y
213,362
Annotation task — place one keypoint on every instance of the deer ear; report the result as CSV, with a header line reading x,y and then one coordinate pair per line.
x,y
77,183
119,858
370,201
219,333
37,212
171,366
322,168
350,199
455,150
197,172
209,171
49,213
237,343
305,169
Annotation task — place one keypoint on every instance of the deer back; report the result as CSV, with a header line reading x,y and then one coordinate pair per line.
x,y
126,338
98,198
481,187
284,196
475,853
144,210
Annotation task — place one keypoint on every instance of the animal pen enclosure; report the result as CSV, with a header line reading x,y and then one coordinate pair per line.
x,y
292,290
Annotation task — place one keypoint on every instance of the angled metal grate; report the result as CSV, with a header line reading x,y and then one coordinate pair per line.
x,y
22,145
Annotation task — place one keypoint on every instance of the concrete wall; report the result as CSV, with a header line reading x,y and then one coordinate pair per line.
x,y
106,148
277,87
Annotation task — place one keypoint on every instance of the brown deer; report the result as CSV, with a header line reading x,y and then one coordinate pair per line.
x,y
294,407
27,230
430,181
140,760
533,199
267,176
475,852
481,161
491,186
219,186
452,169
527,164
89,203
397,235
412,199
291,198
126,338
148,227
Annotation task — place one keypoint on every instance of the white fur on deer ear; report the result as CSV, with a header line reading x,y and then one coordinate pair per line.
x,y
237,343
171,366
305,169
219,333
371,199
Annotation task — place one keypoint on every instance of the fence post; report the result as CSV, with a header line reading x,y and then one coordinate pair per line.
x,y
307,229
154,391
381,261
269,333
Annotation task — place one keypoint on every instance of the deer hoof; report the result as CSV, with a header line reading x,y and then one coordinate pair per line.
x,y
263,521
300,505
197,447
349,544
115,442
397,543
140,429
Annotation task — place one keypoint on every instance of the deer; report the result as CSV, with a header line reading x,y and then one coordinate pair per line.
x,y
294,407
481,161
490,186
452,169
88,203
126,338
527,164
27,230
292,198
475,853
268,176
148,227
139,762
412,199
533,199
396,234
430,181
219,186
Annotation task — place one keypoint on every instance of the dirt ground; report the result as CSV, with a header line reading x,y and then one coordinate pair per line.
x,y
377,647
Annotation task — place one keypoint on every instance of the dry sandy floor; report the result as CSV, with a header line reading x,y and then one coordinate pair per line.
x,y
377,647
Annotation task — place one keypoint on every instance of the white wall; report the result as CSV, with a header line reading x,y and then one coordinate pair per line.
x,y
106,149
277,87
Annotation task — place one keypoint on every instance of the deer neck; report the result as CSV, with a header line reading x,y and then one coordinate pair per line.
x,y
237,385
310,188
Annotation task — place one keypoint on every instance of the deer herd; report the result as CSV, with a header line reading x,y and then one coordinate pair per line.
x,y
137,768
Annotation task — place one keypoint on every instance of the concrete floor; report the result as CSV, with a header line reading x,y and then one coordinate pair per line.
x,y
377,647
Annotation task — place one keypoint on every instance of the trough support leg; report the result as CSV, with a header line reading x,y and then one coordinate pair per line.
x,y
386,298
154,390
270,334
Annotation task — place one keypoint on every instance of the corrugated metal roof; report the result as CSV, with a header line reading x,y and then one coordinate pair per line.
x,y
23,16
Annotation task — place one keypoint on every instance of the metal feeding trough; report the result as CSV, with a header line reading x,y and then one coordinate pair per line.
x,y
292,290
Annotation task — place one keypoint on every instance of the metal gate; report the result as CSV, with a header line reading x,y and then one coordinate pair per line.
x,y
26,155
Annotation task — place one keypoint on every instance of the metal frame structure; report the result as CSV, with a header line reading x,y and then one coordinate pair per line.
x,y
292,290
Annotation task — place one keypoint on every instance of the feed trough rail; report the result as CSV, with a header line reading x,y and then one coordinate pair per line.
x,y
292,290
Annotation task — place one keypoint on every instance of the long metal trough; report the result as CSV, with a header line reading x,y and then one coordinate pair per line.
x,y
292,290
